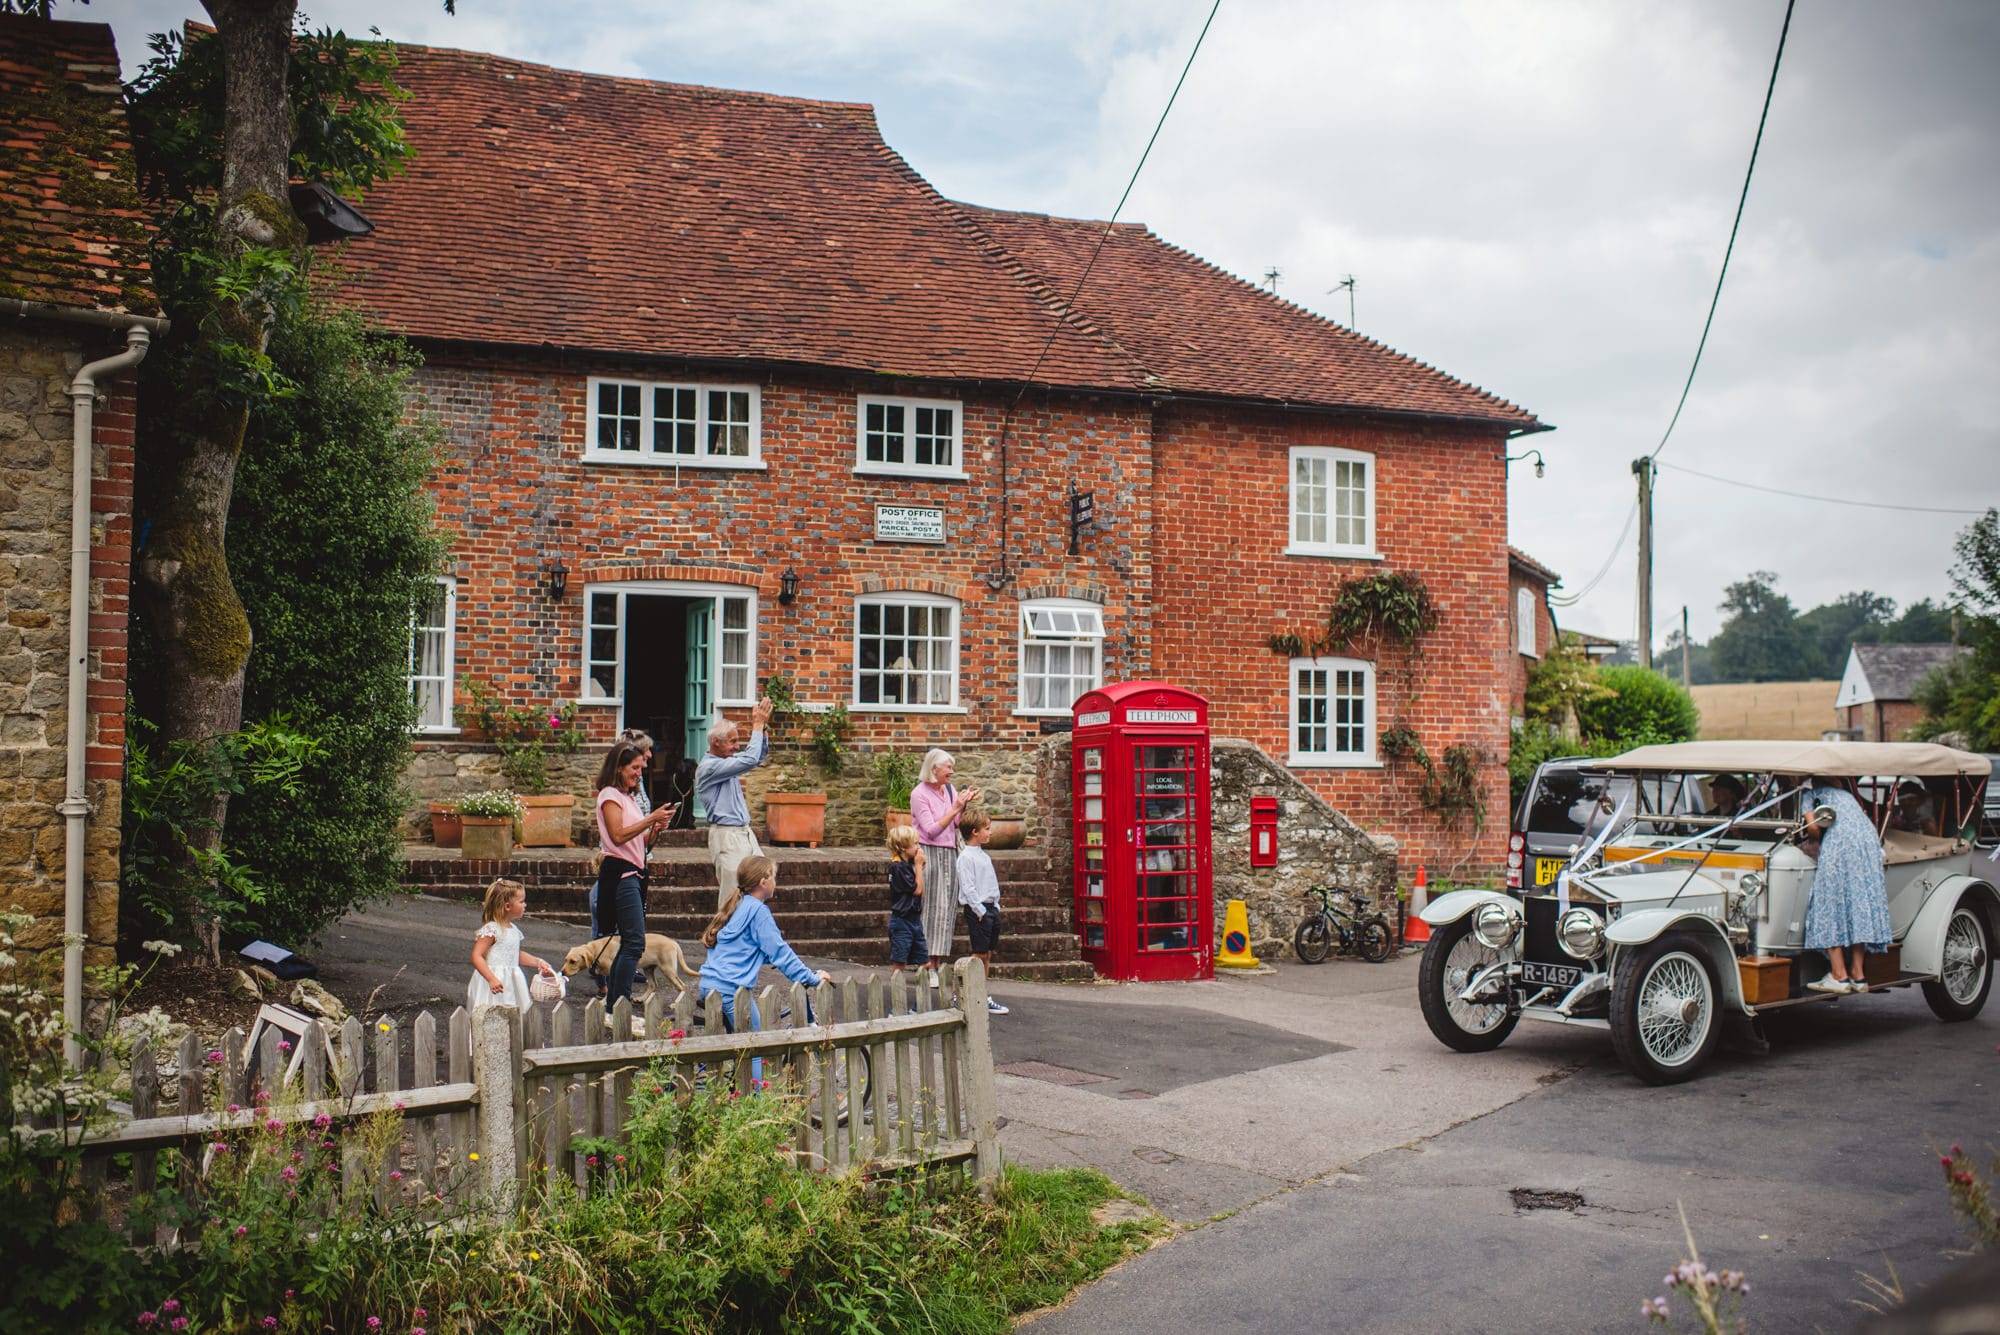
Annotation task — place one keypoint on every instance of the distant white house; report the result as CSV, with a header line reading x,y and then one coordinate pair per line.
x,y
1876,701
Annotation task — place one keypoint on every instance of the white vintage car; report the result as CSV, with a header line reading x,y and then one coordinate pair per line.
x,y
1687,911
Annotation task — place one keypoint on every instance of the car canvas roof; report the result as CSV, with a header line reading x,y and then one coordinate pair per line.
x,y
1843,760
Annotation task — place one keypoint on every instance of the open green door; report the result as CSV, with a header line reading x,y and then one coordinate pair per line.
x,y
700,693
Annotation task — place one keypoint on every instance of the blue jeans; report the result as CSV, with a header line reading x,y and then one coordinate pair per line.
x,y
728,1004
906,941
630,914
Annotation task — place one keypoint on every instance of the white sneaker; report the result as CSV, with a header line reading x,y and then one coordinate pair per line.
x,y
1857,985
1837,986
930,976
993,1007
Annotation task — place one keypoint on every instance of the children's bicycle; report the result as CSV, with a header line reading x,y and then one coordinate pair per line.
x,y
1367,936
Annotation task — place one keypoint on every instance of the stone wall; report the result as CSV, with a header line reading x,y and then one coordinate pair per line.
x,y
37,362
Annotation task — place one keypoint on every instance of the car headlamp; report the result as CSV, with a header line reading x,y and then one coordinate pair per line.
x,y
1580,933
1496,925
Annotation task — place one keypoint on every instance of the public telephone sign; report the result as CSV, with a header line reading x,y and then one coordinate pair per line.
x,y
1160,716
1094,720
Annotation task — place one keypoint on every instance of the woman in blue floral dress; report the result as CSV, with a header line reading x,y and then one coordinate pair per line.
x,y
1849,909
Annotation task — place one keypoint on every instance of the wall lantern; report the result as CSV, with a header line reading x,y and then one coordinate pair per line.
x,y
788,587
557,576
1537,455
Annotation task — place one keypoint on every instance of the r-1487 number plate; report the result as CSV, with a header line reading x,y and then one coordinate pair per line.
x,y
1552,975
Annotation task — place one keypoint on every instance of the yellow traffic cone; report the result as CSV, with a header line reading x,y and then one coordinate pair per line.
x,y
1235,952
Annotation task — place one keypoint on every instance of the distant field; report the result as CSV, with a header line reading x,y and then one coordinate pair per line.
x,y
1785,710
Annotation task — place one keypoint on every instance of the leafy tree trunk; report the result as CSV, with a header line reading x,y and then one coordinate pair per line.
x,y
197,620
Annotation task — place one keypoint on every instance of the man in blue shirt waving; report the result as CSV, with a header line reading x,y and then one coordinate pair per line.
x,y
718,784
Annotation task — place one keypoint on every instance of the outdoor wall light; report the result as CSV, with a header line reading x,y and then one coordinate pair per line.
x,y
1537,454
557,576
788,587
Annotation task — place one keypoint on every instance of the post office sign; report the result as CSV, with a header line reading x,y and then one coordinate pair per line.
x,y
908,523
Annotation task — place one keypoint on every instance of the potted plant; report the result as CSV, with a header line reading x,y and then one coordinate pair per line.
x,y
524,738
897,773
800,817
445,827
488,820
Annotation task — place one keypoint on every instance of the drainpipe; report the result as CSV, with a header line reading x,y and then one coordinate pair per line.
x,y
75,807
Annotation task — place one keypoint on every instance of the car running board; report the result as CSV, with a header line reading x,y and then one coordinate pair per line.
x,y
1904,980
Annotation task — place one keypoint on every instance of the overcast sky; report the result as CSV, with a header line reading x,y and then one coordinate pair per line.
x,y
1533,197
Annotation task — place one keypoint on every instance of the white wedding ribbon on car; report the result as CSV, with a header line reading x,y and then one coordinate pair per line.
x,y
1562,877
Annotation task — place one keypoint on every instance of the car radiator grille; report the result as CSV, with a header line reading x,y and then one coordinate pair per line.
x,y
1540,942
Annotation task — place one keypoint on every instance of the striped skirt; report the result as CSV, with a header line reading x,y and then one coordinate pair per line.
x,y
940,898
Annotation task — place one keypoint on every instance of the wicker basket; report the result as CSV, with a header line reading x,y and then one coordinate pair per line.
x,y
548,987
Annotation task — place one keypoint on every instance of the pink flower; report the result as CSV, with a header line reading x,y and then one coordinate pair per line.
x,y
288,1295
274,1125
322,1122
677,1034
262,1096
592,1161
770,1200
284,1045
395,1175
241,1229
420,1314
270,1323
618,1158
215,1054
290,1175
374,1323
148,1318
555,721
179,1323
236,1107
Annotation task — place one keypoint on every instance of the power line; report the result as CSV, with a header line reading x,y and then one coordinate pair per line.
x,y
1730,249
1825,500
1572,599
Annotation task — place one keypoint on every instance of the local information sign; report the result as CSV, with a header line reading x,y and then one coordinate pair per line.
x,y
908,523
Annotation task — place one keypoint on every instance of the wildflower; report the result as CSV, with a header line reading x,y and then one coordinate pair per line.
x,y
241,1229
290,1175
374,1323
382,1027
220,1147
416,1330
262,1096
395,1175
270,1323
178,1323
618,1158
677,1034
534,1256
1957,1149
473,1157
419,1314
592,1161
398,1106
215,1054
236,1107
148,1318
322,1122
274,1125
768,1200
288,1295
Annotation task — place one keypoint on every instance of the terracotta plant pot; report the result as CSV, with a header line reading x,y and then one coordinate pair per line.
x,y
1008,832
546,824
795,818
445,826
486,838
896,817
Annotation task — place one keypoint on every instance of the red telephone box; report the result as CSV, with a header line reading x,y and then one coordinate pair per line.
x,y
1144,881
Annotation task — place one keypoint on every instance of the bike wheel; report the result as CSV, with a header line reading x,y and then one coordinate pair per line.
x,y
1373,941
1313,942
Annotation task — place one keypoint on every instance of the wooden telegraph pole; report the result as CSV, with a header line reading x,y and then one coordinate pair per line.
x,y
1643,470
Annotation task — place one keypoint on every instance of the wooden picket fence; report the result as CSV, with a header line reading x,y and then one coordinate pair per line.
x,y
892,1074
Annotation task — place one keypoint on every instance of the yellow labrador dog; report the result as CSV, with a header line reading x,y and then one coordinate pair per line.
x,y
662,953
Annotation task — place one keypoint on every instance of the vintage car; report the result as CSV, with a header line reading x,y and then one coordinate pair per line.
x,y
1686,911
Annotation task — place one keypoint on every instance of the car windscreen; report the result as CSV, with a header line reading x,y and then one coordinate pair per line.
x,y
1575,802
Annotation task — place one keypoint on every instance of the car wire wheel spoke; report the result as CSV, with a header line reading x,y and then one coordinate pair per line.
x,y
1676,1008
1461,966
1965,957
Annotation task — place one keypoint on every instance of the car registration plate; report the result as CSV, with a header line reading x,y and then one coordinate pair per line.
x,y
1551,975
1547,869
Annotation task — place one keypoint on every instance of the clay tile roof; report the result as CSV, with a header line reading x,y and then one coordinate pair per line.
x,y
72,232
1201,331
1894,670
1528,565
620,215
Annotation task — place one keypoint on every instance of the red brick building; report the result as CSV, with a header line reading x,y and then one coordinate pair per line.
x,y
1876,700
1531,623
74,288
729,391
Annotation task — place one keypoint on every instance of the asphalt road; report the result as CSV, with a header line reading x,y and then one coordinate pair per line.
x,y
1807,1168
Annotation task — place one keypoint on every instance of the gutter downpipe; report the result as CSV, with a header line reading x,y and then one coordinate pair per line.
x,y
75,806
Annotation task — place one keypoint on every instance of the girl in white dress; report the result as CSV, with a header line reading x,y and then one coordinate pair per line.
x,y
497,956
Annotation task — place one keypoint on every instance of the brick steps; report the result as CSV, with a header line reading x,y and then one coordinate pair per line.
x,y
831,903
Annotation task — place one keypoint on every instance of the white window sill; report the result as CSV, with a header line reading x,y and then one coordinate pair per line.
x,y
1331,762
597,700
1336,553
449,731
914,472
753,464
909,709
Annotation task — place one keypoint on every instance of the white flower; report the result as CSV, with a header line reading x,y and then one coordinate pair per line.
x,y
164,949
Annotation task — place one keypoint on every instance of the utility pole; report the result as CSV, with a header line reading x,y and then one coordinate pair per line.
x,y
1642,469
1687,674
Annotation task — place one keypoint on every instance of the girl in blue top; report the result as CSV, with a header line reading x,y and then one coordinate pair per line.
x,y
742,938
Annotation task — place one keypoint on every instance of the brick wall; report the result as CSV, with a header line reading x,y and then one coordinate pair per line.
x,y
37,362
1883,720
1225,584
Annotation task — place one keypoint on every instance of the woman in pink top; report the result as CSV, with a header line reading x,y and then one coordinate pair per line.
x,y
935,806
622,834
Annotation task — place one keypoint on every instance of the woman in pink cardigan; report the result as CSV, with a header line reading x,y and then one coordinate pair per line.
x,y
935,806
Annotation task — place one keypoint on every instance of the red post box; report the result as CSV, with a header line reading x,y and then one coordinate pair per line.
x,y
1263,831
1144,891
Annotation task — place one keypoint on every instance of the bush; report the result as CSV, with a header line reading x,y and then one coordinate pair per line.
x,y
1647,708
1534,742
331,545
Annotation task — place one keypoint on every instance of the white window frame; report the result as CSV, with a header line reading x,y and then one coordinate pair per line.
x,y
651,454
954,648
907,467
449,722
1526,614
1332,458
622,589
1089,631
1363,758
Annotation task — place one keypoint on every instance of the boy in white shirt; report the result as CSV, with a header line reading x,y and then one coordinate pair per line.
x,y
979,891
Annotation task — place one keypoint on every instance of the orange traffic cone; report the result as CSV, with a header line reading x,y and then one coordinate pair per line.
x,y
1415,930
